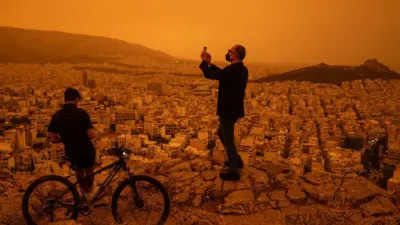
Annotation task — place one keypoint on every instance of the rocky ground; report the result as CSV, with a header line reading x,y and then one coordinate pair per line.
x,y
268,193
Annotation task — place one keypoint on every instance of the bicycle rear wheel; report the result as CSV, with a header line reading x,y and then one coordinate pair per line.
x,y
140,200
46,207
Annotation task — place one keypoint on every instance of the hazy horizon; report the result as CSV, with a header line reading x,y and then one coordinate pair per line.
x,y
307,32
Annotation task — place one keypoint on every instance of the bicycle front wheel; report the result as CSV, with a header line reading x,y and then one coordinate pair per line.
x,y
140,200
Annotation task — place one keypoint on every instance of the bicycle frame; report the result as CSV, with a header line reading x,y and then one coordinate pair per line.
x,y
118,165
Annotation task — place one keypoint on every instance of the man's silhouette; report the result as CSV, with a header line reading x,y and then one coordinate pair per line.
x,y
72,126
230,107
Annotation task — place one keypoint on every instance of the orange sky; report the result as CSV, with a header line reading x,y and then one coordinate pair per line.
x,y
307,31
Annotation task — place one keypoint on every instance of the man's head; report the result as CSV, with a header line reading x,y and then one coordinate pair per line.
x,y
236,54
71,95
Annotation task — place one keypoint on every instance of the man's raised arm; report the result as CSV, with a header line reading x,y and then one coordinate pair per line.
x,y
212,71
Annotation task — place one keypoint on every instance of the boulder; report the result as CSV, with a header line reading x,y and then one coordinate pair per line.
x,y
219,157
197,200
167,165
282,181
209,175
181,167
379,206
259,176
182,176
355,190
200,165
204,222
181,197
200,186
243,183
65,222
279,200
221,188
389,220
5,174
163,179
262,198
180,181
216,167
321,194
6,184
295,195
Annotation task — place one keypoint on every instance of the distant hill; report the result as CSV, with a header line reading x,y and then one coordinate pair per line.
x,y
35,46
323,73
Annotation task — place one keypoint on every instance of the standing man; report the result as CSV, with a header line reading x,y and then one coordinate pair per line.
x,y
72,127
230,107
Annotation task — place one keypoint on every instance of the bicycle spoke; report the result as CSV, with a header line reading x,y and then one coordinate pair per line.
x,y
38,212
42,195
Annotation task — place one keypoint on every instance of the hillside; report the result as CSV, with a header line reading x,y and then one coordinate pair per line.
x,y
34,46
269,192
323,73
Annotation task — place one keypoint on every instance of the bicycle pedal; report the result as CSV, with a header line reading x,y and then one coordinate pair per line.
x,y
100,205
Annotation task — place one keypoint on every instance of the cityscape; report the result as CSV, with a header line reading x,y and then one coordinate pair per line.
x,y
312,129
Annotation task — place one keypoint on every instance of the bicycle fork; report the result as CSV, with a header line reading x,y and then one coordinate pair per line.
x,y
138,201
136,197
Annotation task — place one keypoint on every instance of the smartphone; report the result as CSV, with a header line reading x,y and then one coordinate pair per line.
x,y
205,49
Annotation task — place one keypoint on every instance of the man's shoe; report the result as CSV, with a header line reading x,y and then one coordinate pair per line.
x,y
229,174
226,164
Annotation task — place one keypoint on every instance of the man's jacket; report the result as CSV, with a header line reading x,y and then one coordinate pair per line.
x,y
231,90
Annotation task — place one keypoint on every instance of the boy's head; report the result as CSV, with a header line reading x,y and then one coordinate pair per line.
x,y
72,95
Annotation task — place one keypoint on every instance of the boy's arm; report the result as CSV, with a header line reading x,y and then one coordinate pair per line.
x,y
53,132
91,132
54,138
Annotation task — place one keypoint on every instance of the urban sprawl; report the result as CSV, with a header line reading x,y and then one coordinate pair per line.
x,y
317,127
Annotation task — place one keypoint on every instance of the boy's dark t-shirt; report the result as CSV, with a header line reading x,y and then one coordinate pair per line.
x,y
72,123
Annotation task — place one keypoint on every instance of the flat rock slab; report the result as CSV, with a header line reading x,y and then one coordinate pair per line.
x,y
66,222
267,217
241,202
379,206
296,195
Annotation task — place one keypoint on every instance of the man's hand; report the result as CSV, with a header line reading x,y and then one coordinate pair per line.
x,y
206,57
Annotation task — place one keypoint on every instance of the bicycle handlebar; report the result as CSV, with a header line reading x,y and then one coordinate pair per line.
x,y
120,152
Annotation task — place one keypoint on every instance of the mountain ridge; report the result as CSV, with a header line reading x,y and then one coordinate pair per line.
x,y
32,46
333,74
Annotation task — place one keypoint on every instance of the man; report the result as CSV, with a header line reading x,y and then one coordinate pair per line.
x,y
72,127
230,107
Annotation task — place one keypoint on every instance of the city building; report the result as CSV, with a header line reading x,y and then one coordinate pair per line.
x,y
84,79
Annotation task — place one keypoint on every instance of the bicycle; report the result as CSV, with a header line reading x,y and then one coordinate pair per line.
x,y
83,206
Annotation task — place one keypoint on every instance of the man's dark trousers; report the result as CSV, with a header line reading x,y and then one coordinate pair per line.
x,y
226,135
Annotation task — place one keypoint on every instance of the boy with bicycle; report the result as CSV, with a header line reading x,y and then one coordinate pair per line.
x,y
72,127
